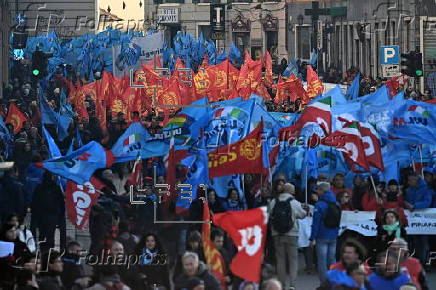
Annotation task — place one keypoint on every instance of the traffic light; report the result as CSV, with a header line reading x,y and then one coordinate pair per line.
x,y
413,64
419,72
39,64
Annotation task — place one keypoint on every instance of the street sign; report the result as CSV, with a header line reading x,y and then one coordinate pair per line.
x,y
319,36
391,70
218,17
390,54
218,36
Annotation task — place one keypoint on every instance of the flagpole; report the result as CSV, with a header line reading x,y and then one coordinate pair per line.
x,y
373,185
306,181
422,164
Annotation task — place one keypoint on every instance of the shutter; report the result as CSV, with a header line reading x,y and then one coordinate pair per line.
x,y
429,47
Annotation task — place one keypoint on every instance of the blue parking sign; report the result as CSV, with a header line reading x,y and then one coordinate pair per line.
x,y
390,54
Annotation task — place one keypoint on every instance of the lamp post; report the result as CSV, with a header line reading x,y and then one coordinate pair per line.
x,y
300,19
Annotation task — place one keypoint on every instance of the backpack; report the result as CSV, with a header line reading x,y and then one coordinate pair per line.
x,y
333,214
281,217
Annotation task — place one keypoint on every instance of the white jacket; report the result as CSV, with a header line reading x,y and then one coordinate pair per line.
x,y
297,213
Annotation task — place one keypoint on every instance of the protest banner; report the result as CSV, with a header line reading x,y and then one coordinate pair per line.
x,y
150,45
421,222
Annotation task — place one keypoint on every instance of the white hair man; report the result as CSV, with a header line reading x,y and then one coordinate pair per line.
x,y
194,268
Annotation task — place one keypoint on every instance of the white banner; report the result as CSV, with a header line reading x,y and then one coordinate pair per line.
x,y
421,222
151,45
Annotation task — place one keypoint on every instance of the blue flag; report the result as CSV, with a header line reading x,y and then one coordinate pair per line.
x,y
187,125
353,90
380,96
198,174
50,117
350,111
415,122
136,139
310,165
80,165
381,116
285,119
53,149
7,139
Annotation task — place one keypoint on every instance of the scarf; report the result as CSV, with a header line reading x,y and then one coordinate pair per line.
x,y
147,256
394,227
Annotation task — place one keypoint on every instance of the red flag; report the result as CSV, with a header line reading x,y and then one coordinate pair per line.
x,y
349,141
244,156
247,230
296,89
79,199
15,117
213,257
314,84
268,69
371,145
135,177
170,95
393,85
318,112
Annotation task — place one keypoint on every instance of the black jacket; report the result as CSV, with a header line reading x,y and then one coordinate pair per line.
x,y
203,273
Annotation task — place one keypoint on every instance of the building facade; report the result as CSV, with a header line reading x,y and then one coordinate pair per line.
x,y
253,26
5,28
354,30
68,18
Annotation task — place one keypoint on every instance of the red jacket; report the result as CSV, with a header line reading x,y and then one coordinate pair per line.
x,y
414,268
369,204
341,267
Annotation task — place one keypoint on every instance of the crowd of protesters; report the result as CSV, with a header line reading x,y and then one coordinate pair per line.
x,y
32,207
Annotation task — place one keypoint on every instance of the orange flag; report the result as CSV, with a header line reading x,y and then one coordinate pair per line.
x,y
314,85
15,117
213,257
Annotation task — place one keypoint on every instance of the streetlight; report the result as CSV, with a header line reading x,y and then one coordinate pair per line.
x,y
300,19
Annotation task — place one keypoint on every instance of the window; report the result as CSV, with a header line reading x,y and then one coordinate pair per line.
x,y
303,42
272,44
242,40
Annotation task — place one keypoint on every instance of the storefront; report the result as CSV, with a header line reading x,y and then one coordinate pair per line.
x,y
169,18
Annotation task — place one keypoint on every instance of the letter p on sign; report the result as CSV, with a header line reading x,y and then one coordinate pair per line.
x,y
390,54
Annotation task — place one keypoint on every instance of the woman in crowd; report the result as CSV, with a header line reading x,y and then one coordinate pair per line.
x,y
213,201
389,230
343,197
153,261
371,201
24,235
233,201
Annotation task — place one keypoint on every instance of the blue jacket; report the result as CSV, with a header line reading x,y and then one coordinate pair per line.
x,y
378,282
319,231
337,277
419,196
